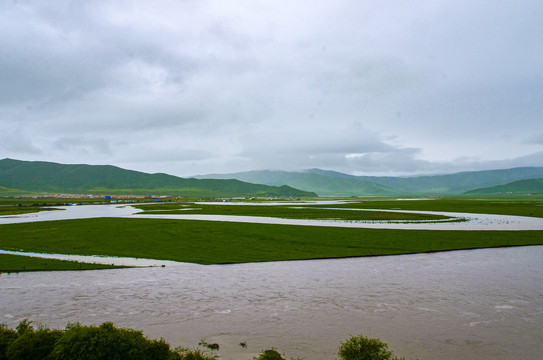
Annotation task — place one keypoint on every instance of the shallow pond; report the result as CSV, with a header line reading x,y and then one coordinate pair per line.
x,y
478,304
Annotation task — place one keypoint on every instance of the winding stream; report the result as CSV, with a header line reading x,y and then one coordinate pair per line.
x,y
473,221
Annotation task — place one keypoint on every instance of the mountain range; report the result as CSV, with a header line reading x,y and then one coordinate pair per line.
x,y
332,183
20,177
521,187
24,177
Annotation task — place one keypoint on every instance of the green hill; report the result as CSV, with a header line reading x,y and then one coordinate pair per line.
x,y
521,187
456,183
325,182
322,185
36,176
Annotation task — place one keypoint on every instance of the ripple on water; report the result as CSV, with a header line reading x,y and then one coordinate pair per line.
x,y
425,306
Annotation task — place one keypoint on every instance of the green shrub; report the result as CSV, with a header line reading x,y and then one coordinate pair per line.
x,y
7,336
107,342
270,355
32,344
191,354
363,348
24,326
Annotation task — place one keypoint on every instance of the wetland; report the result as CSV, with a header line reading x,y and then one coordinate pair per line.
x,y
423,302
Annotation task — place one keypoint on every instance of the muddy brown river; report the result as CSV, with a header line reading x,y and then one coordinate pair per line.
x,y
477,304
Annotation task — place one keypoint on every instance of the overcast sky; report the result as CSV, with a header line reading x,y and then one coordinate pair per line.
x,y
196,87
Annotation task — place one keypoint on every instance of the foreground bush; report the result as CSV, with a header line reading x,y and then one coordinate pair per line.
x,y
106,342
33,345
102,342
363,348
7,336
270,355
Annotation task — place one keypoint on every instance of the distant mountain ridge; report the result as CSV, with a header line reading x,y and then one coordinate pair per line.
x,y
520,187
326,182
18,177
322,185
39,176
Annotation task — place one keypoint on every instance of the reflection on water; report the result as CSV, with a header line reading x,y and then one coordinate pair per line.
x,y
479,304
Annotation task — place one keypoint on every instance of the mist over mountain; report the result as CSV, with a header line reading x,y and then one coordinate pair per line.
x,y
18,177
328,183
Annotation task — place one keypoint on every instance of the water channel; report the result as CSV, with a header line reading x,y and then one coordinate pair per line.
x,y
476,304
472,221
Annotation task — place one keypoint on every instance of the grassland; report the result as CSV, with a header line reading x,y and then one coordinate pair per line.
x,y
285,211
205,242
18,263
521,206
24,205
15,210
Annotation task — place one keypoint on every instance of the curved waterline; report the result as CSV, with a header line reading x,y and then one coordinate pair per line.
x,y
458,221
100,259
479,222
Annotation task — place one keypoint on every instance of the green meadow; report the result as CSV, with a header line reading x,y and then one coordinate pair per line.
x,y
12,210
503,205
207,242
210,242
520,206
285,211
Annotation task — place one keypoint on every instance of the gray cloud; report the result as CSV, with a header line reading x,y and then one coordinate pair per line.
x,y
17,142
538,139
208,86
82,145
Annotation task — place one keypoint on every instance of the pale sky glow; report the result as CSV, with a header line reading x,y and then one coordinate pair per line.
x,y
196,87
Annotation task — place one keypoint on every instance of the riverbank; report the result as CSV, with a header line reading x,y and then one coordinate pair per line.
x,y
210,242
17,262
224,233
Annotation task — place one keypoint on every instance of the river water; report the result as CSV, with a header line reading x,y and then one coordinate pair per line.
x,y
476,304
480,222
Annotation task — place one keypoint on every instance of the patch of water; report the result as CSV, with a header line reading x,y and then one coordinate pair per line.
x,y
72,212
472,221
477,304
